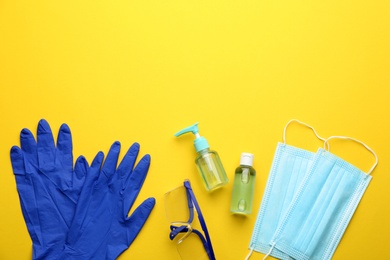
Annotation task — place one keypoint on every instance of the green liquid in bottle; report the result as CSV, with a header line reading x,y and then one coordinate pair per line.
x,y
243,190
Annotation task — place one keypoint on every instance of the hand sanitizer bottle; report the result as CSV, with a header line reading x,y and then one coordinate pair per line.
x,y
208,163
243,187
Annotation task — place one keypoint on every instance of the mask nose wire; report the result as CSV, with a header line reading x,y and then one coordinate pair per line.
x,y
304,124
327,147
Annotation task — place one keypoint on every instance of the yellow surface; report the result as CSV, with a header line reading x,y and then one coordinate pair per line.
x,y
141,70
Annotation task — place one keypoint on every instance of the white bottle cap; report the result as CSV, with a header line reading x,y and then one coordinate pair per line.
x,y
246,159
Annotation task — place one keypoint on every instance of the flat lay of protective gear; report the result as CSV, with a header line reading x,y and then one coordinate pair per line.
x,y
48,186
101,228
80,211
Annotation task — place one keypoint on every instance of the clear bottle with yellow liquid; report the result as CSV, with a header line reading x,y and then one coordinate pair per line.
x,y
207,162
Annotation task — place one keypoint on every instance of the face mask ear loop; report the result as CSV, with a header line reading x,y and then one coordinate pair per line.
x,y
249,255
267,255
270,251
304,124
327,148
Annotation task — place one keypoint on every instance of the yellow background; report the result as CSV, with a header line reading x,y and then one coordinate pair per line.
x,y
142,70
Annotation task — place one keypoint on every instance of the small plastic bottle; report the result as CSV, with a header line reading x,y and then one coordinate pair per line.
x,y
207,162
243,187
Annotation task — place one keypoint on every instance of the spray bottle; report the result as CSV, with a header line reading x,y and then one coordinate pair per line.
x,y
208,163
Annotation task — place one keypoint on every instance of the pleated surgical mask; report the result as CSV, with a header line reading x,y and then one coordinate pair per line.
x,y
322,208
289,167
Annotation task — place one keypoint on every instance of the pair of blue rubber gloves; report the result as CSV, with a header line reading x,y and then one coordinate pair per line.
x,y
78,211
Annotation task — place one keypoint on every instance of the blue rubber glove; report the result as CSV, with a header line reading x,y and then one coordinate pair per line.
x,y
48,186
101,228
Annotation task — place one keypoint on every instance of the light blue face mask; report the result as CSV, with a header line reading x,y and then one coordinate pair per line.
x,y
288,169
322,208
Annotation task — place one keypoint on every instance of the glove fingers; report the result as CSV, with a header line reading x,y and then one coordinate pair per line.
x,y
134,182
93,173
28,143
46,148
125,168
17,161
137,220
85,198
26,194
109,166
29,149
133,226
24,184
64,148
128,161
80,171
63,162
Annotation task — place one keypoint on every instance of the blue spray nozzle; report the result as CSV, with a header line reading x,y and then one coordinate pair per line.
x,y
200,142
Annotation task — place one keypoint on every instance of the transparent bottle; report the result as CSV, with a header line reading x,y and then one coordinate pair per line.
x,y
243,186
208,163
210,167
